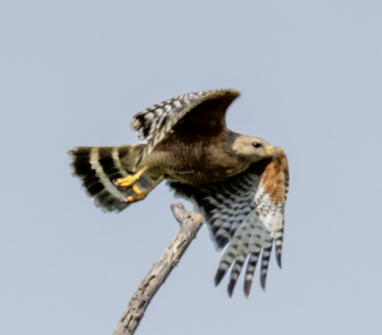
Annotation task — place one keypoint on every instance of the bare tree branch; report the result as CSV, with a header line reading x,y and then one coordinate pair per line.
x,y
190,223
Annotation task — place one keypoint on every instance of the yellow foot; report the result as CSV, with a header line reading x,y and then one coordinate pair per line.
x,y
129,180
139,195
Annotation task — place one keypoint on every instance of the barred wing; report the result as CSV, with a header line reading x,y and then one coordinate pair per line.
x,y
205,112
246,211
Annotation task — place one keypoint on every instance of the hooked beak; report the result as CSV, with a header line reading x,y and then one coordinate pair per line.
x,y
271,151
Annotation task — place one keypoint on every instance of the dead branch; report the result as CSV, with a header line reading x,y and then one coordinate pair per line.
x,y
190,223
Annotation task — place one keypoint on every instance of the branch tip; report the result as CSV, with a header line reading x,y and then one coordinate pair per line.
x,y
190,223
179,212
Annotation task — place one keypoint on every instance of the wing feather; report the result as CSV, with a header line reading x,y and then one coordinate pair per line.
x,y
249,219
158,121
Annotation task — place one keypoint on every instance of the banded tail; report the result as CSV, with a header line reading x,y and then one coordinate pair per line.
x,y
99,167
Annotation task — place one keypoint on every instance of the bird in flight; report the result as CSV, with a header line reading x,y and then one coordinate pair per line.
x,y
239,183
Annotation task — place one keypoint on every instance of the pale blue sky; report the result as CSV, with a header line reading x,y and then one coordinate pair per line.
x,y
75,72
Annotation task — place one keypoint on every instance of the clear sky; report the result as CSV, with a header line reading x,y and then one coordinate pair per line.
x,y
74,73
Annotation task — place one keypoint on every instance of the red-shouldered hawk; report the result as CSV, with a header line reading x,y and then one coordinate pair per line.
x,y
238,183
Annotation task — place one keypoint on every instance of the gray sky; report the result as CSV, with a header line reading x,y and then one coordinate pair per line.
x,y
75,72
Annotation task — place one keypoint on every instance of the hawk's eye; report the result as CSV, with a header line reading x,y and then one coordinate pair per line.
x,y
256,144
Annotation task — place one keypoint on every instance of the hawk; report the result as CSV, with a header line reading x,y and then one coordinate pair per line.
x,y
239,183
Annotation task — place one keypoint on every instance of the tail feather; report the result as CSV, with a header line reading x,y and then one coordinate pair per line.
x,y
98,167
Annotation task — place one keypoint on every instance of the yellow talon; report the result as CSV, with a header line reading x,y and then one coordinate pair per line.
x,y
135,198
136,190
139,194
129,180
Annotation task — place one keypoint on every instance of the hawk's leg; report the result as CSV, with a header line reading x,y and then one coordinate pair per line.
x,y
129,180
140,195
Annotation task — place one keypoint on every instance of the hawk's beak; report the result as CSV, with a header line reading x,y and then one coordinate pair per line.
x,y
271,151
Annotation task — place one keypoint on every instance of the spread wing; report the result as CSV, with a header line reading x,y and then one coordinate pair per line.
x,y
246,211
201,113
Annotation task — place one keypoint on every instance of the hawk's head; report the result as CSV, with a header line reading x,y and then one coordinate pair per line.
x,y
252,148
